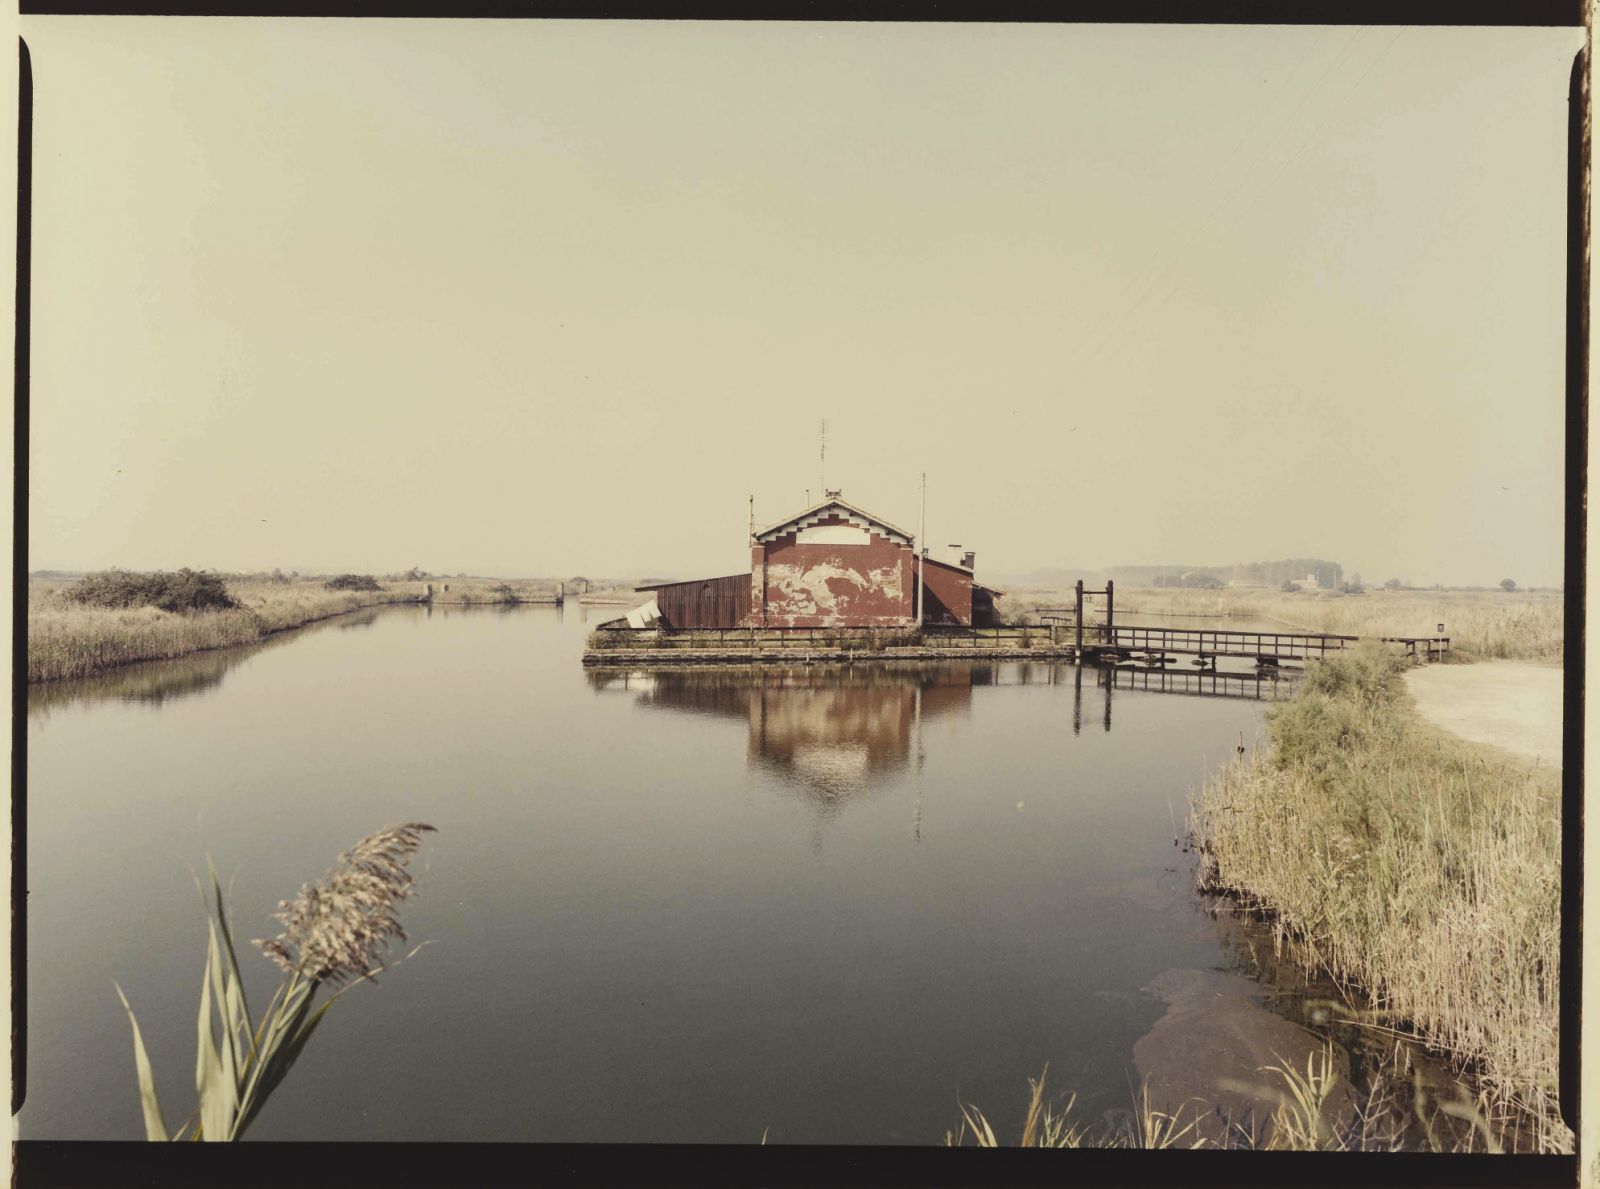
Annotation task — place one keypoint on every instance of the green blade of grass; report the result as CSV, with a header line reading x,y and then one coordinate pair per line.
x,y
155,1127
215,1122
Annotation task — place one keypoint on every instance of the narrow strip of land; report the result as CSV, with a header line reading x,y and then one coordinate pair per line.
x,y
1507,704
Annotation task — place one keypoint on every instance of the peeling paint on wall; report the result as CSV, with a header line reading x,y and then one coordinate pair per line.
x,y
833,569
831,592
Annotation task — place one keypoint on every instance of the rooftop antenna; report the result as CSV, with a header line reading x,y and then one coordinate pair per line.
x,y
822,460
922,553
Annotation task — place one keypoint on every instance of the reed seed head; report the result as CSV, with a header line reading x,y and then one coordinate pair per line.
x,y
337,929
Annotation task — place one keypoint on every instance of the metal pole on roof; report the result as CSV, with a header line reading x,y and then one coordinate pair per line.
x,y
922,554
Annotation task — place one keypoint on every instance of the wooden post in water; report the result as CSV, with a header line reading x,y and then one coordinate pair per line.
x,y
1077,652
1111,636
1077,701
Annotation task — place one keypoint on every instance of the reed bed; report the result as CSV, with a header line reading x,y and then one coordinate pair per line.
x,y
472,592
1304,1119
1421,868
66,639
1522,625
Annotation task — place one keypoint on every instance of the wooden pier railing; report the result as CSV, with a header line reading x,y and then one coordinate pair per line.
x,y
1211,642
1119,642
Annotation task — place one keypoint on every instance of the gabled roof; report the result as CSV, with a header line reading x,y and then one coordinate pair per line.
x,y
950,565
818,512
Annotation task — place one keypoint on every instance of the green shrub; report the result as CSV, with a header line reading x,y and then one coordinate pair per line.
x,y
178,590
353,582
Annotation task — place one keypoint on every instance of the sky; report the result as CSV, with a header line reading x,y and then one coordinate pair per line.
x,y
557,298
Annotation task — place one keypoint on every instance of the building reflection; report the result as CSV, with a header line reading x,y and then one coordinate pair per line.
x,y
832,732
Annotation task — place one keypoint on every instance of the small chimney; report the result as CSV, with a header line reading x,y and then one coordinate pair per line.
x,y
969,560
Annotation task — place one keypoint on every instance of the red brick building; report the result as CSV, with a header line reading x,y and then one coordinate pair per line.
x,y
832,565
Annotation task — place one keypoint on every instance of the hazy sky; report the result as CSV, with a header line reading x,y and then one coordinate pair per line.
x,y
558,297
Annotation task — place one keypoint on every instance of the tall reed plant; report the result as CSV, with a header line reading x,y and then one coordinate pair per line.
x,y
335,934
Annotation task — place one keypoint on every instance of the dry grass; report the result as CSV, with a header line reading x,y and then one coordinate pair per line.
x,y
489,591
66,639
1523,625
1417,866
1305,1119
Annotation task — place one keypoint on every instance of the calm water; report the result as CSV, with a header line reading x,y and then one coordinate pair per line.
x,y
684,906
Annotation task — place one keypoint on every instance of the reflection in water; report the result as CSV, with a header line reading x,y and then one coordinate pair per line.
x,y
834,731
1389,1070
834,726
358,619
831,730
1208,684
151,683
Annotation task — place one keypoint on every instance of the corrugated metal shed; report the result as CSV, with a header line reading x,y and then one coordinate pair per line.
x,y
703,602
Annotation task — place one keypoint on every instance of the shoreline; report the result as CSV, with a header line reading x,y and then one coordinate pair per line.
x,y
263,630
68,641
1398,856
270,630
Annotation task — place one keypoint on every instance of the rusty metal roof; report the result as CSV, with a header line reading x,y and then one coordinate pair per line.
x,y
950,565
742,576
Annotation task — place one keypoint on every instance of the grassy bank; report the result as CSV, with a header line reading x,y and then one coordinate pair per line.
x,y
1415,865
68,639
1522,625
473,592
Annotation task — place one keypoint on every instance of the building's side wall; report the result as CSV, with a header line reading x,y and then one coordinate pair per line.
x,y
949,596
708,603
825,584
984,613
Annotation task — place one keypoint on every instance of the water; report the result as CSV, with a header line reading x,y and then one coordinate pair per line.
x,y
689,906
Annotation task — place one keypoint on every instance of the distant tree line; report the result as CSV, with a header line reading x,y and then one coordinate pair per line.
x,y
1328,574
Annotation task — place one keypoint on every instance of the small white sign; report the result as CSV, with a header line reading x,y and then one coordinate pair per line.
x,y
833,534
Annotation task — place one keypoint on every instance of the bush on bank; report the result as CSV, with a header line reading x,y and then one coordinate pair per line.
x,y
175,590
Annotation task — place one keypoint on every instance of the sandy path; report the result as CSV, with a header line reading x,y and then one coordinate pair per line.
x,y
1508,704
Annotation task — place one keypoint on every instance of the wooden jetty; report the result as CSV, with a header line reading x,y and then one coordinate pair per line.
x,y
1105,644
1130,645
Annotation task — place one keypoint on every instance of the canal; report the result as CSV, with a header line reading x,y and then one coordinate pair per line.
x,y
683,906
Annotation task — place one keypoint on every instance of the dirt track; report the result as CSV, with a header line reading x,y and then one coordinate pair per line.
x,y
1507,704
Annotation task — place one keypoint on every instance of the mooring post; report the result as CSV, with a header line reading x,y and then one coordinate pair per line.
x,y
1077,617
1111,636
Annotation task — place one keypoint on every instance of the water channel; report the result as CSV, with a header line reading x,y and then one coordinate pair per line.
x,y
676,906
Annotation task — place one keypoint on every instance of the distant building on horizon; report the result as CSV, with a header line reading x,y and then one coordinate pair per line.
x,y
831,565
